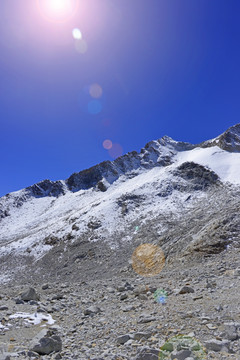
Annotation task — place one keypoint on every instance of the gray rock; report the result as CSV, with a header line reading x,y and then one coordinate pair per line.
x,y
110,290
4,356
216,345
181,355
140,290
36,339
32,354
92,310
128,308
121,288
186,290
146,319
33,302
19,301
148,354
219,308
47,345
57,297
231,331
58,357
122,339
30,294
140,335
123,296
128,286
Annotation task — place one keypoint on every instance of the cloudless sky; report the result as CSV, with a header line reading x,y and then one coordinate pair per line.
x,y
135,71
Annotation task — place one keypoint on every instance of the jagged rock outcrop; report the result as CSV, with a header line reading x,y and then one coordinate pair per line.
x,y
228,141
46,188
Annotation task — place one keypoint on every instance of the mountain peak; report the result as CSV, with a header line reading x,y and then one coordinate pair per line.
x,y
228,141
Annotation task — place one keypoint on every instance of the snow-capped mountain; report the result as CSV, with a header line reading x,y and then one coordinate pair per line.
x,y
180,196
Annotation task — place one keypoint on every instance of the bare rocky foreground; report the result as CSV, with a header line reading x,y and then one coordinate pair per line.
x,y
118,318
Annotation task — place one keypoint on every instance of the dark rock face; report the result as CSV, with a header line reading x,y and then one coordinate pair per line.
x,y
3,214
228,141
150,156
51,240
46,188
211,247
176,145
86,179
102,186
197,174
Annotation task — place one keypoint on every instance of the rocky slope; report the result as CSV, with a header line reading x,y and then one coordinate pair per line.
x,y
78,236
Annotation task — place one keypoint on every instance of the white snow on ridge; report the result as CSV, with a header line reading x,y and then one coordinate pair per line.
x,y
225,164
29,225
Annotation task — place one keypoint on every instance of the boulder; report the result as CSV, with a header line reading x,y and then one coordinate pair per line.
x,y
217,345
186,290
122,339
47,345
92,310
30,294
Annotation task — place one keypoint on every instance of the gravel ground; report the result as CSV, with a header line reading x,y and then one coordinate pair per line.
x,y
118,317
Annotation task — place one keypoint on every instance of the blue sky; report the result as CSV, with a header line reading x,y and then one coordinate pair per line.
x,y
141,69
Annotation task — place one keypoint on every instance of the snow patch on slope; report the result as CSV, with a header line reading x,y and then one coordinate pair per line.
x,y
225,164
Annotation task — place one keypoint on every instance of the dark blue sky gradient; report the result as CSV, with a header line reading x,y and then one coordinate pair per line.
x,y
166,67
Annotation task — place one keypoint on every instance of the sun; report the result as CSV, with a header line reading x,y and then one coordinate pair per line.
x,y
58,10
60,5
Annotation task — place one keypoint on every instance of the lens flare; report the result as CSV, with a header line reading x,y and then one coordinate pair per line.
x,y
148,260
81,46
115,151
76,33
160,296
95,91
106,122
94,107
107,144
189,345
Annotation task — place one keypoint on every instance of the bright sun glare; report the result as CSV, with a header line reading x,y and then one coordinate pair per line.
x,y
59,5
58,10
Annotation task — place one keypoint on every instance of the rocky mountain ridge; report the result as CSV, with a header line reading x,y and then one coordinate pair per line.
x,y
155,153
